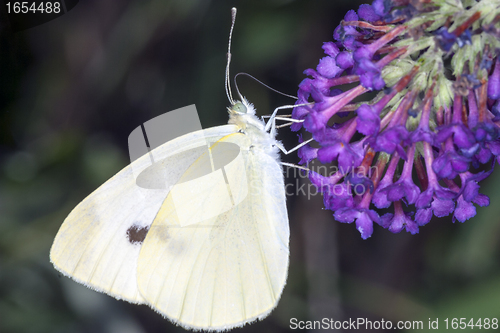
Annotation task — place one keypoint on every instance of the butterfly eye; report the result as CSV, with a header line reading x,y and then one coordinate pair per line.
x,y
239,107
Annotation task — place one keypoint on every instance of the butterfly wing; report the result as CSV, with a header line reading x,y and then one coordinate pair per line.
x,y
99,242
228,269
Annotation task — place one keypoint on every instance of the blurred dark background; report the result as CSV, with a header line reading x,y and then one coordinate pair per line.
x,y
73,89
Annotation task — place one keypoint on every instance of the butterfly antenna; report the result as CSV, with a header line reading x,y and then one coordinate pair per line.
x,y
227,81
262,83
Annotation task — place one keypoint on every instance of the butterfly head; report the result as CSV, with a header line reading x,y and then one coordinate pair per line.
x,y
242,113
242,107
239,108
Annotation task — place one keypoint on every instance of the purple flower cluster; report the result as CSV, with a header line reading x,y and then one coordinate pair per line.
x,y
429,134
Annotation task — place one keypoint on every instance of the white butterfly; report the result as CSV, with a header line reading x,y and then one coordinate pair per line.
x,y
210,253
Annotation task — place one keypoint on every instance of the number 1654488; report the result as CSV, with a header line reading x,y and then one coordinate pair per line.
x,y
25,7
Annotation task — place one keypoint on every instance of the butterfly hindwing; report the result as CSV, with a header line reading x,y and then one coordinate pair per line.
x,y
228,269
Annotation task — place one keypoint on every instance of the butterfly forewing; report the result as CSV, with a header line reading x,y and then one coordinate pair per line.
x,y
99,242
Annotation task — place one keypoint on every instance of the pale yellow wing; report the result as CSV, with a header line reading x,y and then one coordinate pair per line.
x,y
229,269
99,242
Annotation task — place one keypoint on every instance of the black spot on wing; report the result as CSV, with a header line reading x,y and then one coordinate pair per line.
x,y
137,234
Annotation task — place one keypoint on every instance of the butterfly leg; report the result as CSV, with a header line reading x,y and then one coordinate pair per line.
x,y
295,166
286,117
291,122
286,152
280,146
271,123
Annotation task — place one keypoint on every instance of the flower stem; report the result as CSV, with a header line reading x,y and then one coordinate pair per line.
x,y
365,202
